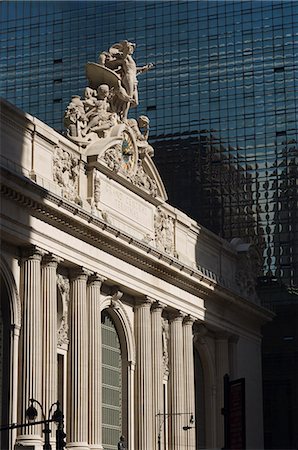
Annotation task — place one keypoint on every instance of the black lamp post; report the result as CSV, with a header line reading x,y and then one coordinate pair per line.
x,y
57,416
164,416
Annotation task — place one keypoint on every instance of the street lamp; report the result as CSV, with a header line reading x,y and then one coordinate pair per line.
x,y
191,421
57,416
165,416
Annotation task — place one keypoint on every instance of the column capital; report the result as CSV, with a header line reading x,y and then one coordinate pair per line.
x,y
51,260
222,335
189,320
79,273
143,301
200,332
158,306
176,316
233,338
32,252
95,279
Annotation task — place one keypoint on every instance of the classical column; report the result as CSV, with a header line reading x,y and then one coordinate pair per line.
x,y
95,362
131,405
31,342
189,383
77,413
14,353
157,370
222,367
177,405
49,332
143,379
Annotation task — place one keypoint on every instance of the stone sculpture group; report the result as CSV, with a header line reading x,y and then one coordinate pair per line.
x,y
112,91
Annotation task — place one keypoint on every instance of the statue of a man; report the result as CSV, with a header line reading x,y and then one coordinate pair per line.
x,y
119,58
121,443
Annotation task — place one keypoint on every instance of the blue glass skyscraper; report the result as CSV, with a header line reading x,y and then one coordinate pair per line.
x,y
222,103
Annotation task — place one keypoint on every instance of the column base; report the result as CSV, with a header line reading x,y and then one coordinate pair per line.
x,y
77,446
96,447
34,442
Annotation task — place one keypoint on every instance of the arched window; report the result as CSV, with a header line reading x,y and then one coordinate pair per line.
x,y
4,361
114,397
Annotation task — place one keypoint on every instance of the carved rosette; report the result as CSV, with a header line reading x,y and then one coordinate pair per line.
x,y
66,174
63,287
164,232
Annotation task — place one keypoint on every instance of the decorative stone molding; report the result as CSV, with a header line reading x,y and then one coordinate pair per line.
x,y
98,122
64,287
32,252
95,193
95,279
16,305
200,333
165,348
248,268
66,174
116,295
164,232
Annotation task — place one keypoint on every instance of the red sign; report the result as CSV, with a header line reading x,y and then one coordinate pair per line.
x,y
236,414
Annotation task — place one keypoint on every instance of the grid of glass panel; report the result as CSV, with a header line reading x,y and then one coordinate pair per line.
x,y
222,99
111,384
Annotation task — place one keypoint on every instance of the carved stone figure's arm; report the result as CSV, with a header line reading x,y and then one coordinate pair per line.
x,y
113,64
144,68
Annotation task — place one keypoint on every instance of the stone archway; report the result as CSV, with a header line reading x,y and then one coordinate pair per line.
x,y
10,323
121,331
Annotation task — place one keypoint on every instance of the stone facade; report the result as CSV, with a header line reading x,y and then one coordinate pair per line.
x,y
77,233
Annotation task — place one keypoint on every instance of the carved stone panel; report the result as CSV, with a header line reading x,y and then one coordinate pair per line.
x,y
164,232
63,289
66,174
